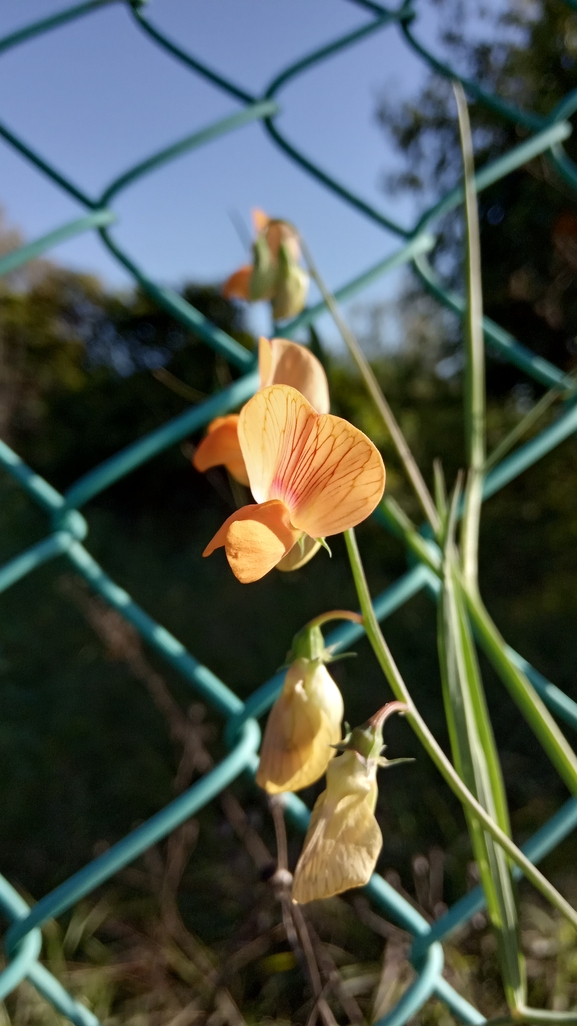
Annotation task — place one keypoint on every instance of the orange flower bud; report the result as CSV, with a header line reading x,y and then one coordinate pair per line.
x,y
275,273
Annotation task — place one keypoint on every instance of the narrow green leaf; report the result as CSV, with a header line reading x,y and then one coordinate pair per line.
x,y
474,354
476,760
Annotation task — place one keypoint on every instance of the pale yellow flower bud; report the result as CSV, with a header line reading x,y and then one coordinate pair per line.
x,y
302,725
343,840
264,271
291,287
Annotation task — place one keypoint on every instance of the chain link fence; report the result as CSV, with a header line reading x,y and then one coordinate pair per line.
x,y
67,528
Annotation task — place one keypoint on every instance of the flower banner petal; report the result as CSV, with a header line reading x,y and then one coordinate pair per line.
x,y
272,430
338,481
281,362
260,220
329,474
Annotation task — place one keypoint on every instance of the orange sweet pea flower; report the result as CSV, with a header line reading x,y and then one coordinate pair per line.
x,y
279,362
313,475
275,273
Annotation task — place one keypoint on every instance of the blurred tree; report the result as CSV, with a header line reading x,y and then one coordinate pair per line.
x,y
81,742
527,54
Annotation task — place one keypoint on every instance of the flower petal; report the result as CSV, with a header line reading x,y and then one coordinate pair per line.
x,y
300,554
272,431
294,756
280,233
341,848
221,447
302,725
292,285
255,539
328,473
260,220
281,362
238,285
339,481
289,740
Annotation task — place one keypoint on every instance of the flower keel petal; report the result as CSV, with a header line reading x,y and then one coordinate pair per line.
x,y
255,539
301,552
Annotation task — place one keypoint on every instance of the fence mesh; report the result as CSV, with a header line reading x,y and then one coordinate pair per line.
x,y
68,529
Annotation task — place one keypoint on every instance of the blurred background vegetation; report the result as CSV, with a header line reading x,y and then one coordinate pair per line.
x,y
96,734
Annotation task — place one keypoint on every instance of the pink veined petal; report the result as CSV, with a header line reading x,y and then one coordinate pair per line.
x,y
326,471
339,481
272,431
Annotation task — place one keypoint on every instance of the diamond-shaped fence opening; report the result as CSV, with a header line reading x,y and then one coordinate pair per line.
x,y
67,527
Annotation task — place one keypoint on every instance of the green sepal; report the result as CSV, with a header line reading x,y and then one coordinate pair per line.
x,y
308,644
264,271
384,762
323,542
329,658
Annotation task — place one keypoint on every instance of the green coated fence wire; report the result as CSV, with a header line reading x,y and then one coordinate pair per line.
x,y
68,528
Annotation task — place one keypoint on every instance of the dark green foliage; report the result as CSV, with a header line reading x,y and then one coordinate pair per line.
x,y
86,750
527,56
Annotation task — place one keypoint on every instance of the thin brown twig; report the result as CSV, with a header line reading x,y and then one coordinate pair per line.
x,y
333,980
293,919
122,643
170,381
251,839
408,460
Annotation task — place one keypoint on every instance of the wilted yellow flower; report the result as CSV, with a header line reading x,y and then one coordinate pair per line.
x,y
312,475
303,724
343,840
275,272
280,362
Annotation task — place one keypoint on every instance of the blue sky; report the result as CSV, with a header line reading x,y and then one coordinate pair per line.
x,y
97,96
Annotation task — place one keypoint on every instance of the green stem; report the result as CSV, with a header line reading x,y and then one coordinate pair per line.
x,y
400,524
524,425
520,688
334,614
431,746
475,355
399,441
522,691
